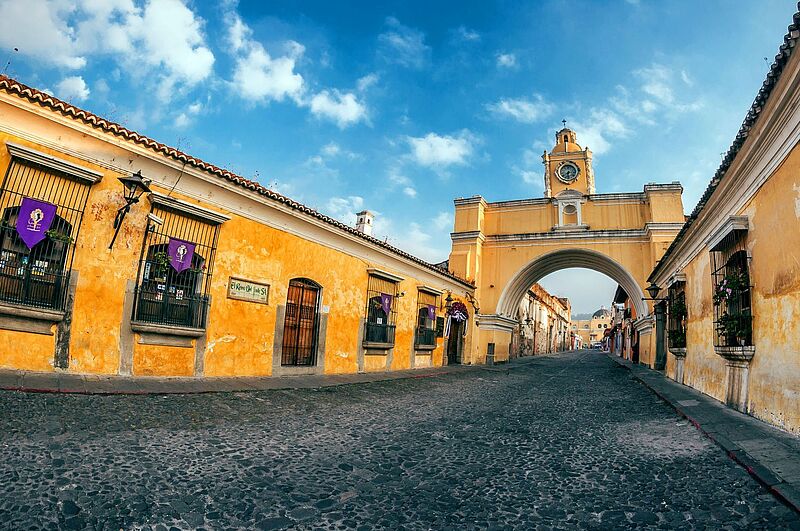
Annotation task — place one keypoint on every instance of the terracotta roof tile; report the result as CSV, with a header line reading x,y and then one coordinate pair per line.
x,y
14,87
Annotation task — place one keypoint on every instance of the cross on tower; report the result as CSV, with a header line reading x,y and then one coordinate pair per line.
x,y
564,122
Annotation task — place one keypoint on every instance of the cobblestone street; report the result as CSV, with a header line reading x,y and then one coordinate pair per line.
x,y
565,441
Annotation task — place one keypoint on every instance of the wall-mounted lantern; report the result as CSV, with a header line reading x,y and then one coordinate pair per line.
x,y
134,186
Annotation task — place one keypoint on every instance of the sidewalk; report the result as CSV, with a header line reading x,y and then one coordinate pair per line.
x,y
60,382
770,455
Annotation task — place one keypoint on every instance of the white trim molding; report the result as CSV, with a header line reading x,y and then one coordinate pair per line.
x,y
493,321
374,271
731,223
430,290
209,216
81,173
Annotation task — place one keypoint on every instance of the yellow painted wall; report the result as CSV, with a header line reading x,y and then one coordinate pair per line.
x,y
774,243
239,335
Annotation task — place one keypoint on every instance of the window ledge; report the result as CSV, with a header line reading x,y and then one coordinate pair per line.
x,y
427,348
29,319
375,345
167,330
678,352
737,354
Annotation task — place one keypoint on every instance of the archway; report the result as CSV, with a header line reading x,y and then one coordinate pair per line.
x,y
514,291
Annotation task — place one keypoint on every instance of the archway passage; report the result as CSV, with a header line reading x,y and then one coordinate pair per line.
x,y
518,285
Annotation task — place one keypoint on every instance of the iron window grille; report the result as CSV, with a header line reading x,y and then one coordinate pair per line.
x,y
677,315
39,277
425,333
163,296
378,326
733,313
301,323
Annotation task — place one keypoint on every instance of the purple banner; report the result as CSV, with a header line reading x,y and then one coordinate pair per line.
x,y
386,303
180,254
34,219
431,312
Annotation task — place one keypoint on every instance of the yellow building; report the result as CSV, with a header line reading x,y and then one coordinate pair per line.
x,y
732,276
592,330
544,324
505,247
207,274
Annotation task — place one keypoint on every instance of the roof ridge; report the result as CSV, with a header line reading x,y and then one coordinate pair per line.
x,y
16,88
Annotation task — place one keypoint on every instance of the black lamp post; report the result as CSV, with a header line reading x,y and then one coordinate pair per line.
x,y
448,301
135,186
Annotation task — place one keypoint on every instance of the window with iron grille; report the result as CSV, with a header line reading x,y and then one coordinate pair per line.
x,y
301,323
677,315
733,316
39,276
425,334
165,296
380,318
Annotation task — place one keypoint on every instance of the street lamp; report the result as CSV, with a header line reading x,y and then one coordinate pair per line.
x,y
448,301
134,187
653,290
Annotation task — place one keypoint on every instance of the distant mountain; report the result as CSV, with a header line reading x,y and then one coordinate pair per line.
x,y
581,316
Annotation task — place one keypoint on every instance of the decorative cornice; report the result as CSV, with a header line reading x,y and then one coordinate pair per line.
x,y
622,234
731,224
189,209
474,200
80,173
654,226
470,235
429,289
374,271
674,186
495,322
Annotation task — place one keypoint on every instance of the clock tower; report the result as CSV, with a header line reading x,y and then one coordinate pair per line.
x,y
568,166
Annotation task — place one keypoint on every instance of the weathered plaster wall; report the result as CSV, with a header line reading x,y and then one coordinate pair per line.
x,y
239,335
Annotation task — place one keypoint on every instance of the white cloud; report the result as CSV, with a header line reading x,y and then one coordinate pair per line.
x,y
531,177
367,81
185,118
403,45
522,110
410,192
72,88
466,34
344,208
331,149
342,108
161,43
440,151
259,77
506,60
38,28
443,221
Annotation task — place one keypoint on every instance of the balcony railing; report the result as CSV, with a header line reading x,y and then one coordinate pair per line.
x,y
379,333
425,337
168,309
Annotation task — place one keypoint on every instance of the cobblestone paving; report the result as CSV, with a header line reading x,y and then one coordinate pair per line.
x,y
568,441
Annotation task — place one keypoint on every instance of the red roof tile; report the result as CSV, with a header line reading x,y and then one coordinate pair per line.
x,y
14,87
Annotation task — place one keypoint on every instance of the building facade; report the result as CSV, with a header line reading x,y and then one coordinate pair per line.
x,y
731,278
544,324
195,270
592,330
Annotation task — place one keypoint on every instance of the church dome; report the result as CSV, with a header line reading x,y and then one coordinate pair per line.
x,y
601,313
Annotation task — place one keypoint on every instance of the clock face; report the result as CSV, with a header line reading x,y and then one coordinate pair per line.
x,y
568,172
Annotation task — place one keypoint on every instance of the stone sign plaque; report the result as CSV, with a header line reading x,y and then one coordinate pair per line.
x,y
247,290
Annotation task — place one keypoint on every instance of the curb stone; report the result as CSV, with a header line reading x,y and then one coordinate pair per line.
x,y
783,491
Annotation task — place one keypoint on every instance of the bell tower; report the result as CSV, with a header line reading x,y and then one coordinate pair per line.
x,y
568,166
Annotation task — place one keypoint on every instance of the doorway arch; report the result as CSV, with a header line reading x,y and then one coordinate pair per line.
x,y
514,291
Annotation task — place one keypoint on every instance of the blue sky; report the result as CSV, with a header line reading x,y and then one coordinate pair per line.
x,y
400,107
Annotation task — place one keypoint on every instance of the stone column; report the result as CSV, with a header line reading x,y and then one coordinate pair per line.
x,y
737,360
